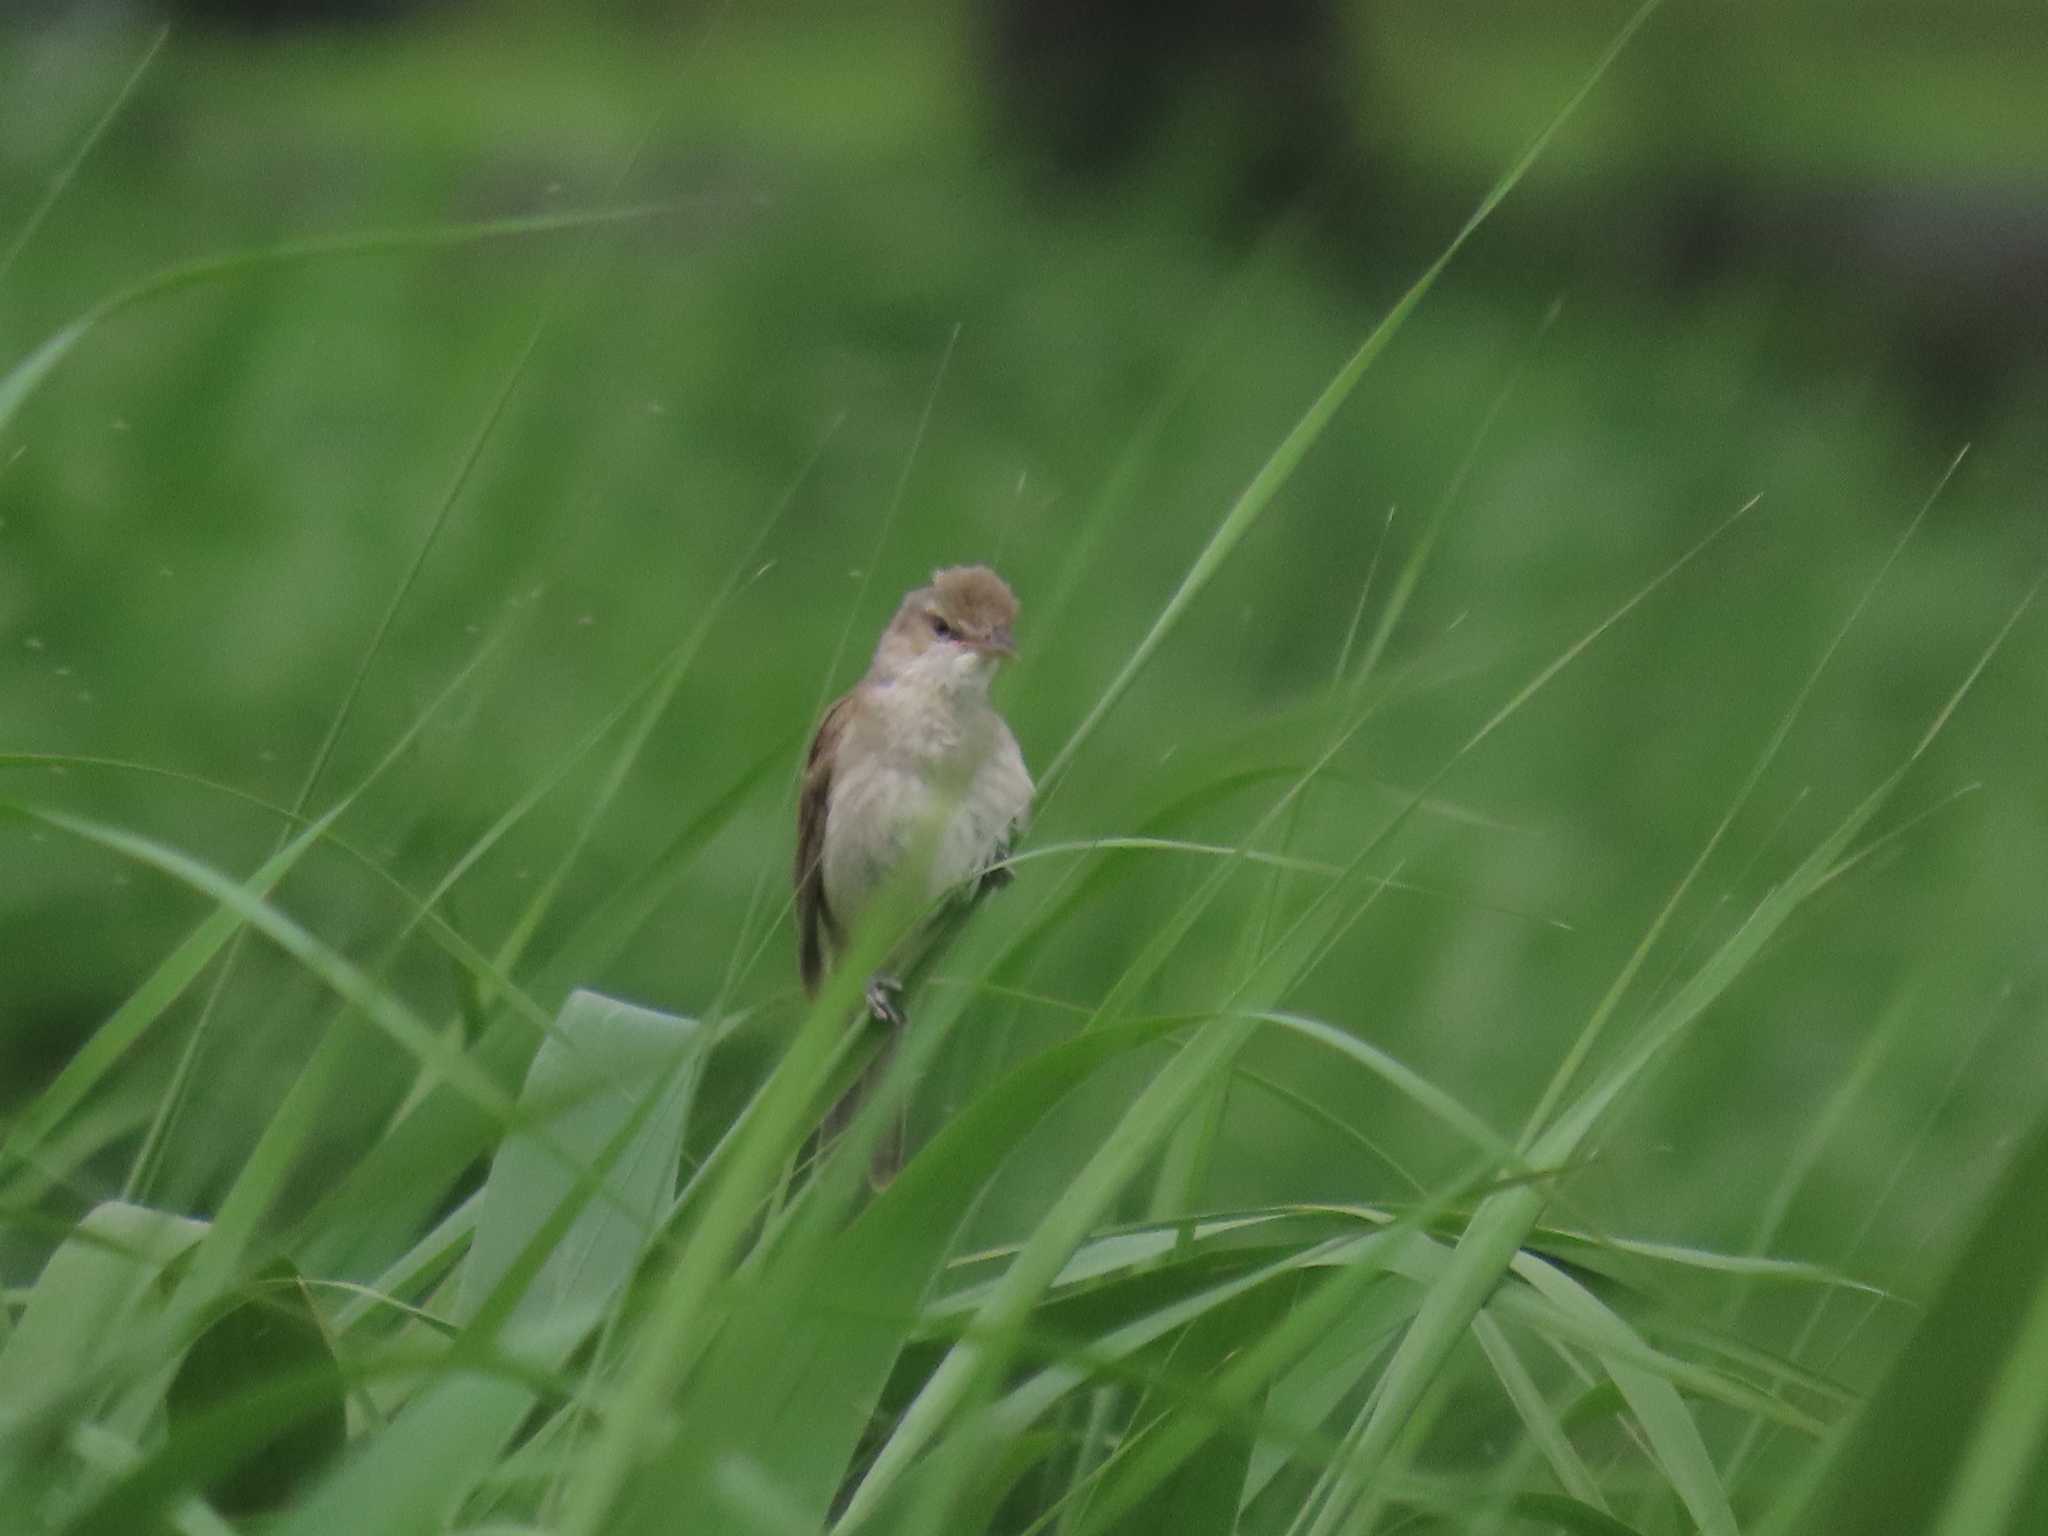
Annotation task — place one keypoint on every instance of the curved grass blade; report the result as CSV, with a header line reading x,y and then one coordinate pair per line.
x,y
19,382
383,1009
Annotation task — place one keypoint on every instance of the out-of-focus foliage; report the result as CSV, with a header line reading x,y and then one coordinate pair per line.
x,y
1796,256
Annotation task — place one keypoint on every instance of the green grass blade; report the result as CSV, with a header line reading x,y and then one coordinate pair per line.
x,y
789,1384
1582,1046
659,695
1545,1429
1951,1441
1504,1222
343,977
1666,1422
20,381
1294,447
60,183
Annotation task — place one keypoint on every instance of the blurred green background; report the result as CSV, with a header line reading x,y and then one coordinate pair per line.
x,y
1029,258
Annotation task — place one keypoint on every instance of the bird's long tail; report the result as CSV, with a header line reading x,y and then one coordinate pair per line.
x,y
886,1014
887,1158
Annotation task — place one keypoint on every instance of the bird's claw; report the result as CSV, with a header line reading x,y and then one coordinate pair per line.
x,y
885,1002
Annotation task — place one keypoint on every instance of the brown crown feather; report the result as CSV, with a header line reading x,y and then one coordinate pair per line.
x,y
975,598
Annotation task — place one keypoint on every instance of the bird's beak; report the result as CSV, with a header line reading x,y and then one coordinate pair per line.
x,y
998,643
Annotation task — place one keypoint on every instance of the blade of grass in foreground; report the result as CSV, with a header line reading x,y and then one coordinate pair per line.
x,y
1504,1222
1951,1442
788,1385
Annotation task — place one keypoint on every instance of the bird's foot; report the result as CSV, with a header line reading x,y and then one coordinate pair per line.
x,y
885,1002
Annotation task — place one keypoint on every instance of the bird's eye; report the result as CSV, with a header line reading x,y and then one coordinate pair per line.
x,y
941,628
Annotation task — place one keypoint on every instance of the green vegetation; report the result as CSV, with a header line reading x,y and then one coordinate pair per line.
x,y
1520,1011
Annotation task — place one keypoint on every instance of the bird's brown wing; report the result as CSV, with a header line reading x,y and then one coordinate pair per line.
x,y
815,925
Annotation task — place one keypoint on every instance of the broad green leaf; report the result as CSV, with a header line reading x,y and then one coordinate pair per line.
x,y
612,1088
594,1074
85,1296
97,1284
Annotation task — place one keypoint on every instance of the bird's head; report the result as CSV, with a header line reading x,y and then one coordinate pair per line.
x,y
953,632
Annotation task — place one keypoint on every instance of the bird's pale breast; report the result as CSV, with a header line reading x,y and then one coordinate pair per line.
x,y
885,794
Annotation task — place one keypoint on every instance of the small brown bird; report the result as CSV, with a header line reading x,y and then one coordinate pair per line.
x,y
913,761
